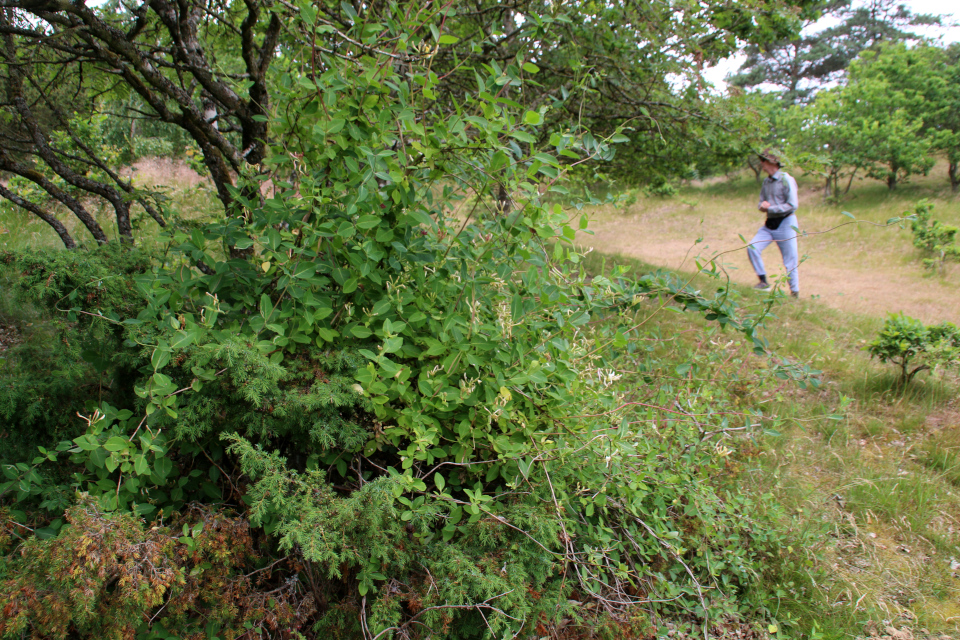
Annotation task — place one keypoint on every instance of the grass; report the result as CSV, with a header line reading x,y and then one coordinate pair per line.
x,y
186,197
867,476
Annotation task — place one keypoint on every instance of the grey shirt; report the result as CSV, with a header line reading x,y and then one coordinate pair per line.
x,y
780,190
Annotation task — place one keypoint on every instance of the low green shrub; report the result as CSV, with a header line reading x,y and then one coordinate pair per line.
x,y
907,342
661,189
416,404
936,239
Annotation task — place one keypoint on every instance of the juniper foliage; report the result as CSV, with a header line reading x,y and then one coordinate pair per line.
x,y
65,364
417,380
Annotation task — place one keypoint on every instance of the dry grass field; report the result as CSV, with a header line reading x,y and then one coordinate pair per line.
x,y
859,267
868,474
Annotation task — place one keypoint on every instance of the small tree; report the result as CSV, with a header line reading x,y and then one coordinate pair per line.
x,y
907,342
822,140
887,116
934,238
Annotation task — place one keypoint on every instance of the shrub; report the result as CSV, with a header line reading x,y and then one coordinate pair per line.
x,y
106,569
906,342
660,188
419,397
65,362
933,238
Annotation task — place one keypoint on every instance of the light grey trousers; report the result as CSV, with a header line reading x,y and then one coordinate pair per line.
x,y
786,238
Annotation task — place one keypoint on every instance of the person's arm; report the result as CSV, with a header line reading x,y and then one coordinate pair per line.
x,y
793,200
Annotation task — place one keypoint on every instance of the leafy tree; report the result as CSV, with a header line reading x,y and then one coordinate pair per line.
x,y
933,237
821,139
211,71
899,107
933,73
409,392
943,115
882,116
799,66
887,104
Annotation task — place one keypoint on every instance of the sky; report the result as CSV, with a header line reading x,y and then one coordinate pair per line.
x,y
948,9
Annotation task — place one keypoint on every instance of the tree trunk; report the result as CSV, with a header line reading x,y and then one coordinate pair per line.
x,y
952,171
757,170
850,181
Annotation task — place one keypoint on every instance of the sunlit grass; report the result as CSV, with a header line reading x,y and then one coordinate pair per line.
x,y
184,198
868,487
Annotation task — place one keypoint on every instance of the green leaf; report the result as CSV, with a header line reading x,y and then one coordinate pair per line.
x,y
183,339
529,67
391,345
140,465
326,335
162,468
368,222
160,358
360,331
532,117
525,464
350,285
346,230
116,443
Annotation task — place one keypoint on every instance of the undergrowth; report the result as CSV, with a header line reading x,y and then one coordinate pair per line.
x,y
863,471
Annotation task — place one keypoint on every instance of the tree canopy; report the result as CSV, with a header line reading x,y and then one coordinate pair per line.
x,y
799,65
210,70
897,109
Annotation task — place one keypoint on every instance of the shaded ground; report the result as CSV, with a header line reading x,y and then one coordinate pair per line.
x,y
9,336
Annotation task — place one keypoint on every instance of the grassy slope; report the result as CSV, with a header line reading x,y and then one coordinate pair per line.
x,y
873,498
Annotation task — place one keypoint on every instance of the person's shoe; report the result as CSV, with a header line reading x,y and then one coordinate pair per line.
x,y
794,294
762,286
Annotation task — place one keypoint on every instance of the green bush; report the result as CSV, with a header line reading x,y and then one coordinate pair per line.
x,y
66,361
660,188
933,238
907,342
415,402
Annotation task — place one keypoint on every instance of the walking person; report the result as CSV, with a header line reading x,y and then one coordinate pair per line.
x,y
779,202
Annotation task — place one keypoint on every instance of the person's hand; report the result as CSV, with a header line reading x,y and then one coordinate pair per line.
x,y
764,206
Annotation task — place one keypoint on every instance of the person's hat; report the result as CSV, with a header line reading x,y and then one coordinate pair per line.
x,y
772,155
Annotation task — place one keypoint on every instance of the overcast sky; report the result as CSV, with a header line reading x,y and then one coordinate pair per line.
x,y
948,9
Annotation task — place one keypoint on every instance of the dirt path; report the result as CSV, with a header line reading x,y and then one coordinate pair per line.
x,y
841,272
